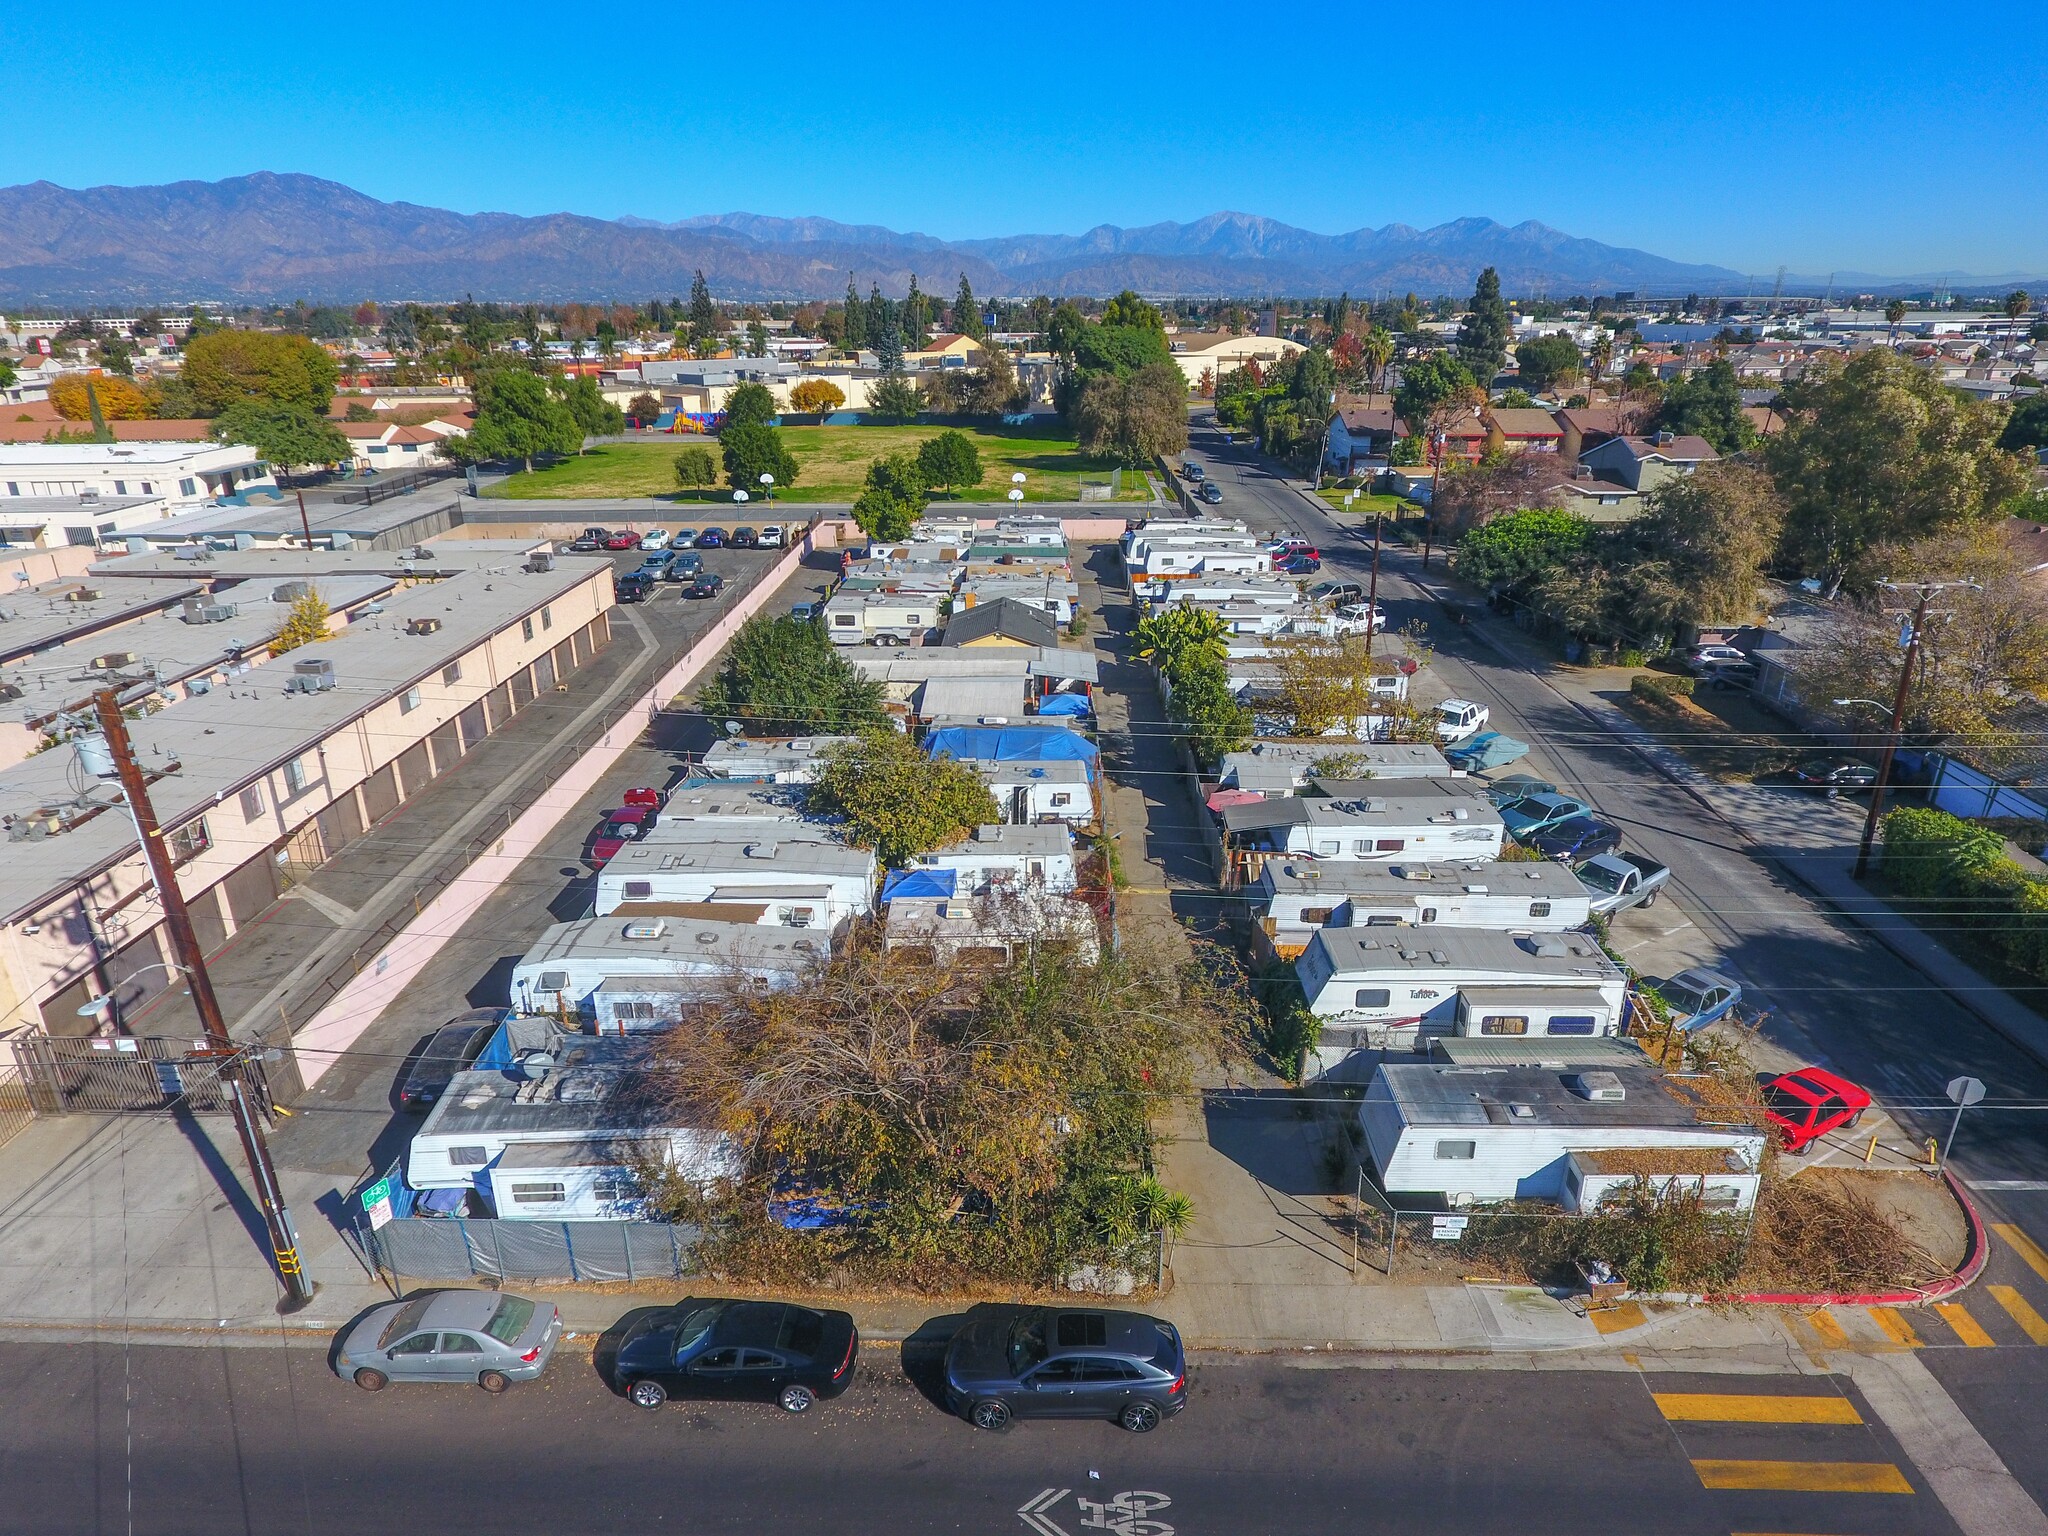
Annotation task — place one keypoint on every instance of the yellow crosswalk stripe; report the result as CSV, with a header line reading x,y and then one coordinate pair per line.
x,y
1967,1327
1802,1476
1895,1327
2024,1246
1741,1408
1830,1331
2016,1307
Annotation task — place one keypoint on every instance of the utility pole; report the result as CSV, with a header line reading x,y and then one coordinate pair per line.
x,y
192,961
1911,640
305,523
1372,591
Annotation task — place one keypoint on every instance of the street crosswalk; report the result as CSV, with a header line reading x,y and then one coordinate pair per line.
x,y
1992,1315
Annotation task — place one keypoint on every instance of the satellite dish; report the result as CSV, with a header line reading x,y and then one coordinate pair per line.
x,y
733,727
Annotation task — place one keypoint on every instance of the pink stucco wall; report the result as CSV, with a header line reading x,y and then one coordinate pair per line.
x,y
337,1026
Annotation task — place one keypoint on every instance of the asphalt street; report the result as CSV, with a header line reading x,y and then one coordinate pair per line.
x,y
255,1440
1834,994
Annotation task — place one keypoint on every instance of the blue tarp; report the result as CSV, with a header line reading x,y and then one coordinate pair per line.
x,y
1065,704
1492,750
1014,744
919,882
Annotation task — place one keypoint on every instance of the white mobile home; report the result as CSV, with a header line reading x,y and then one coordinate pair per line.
x,y
1280,768
1465,1134
577,1181
993,855
1409,819
880,618
794,760
811,880
1031,792
583,1093
1381,989
1292,899
573,963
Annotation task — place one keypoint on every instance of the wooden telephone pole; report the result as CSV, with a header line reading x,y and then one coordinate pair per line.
x,y
191,960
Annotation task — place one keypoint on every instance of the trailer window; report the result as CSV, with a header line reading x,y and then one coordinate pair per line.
x,y
1315,915
1391,844
1572,1023
468,1157
1539,909
614,1188
539,1194
1372,997
553,981
639,890
1457,1151
1504,1024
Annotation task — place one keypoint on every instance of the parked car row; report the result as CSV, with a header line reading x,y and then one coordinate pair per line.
x,y
593,539
1004,1363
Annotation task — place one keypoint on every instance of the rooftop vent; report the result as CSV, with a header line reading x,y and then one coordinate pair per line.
x,y
540,560
113,661
83,595
760,850
1597,1087
1522,1111
199,610
644,928
1547,944
290,591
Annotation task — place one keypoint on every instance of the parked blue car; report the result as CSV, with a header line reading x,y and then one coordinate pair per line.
x,y
1526,817
1698,997
1579,838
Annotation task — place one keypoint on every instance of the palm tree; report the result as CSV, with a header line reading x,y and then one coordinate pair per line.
x,y
1894,312
2016,304
1376,351
1603,354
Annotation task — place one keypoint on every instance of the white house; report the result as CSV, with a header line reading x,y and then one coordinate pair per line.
x,y
1460,1135
1376,989
54,494
1291,900
994,855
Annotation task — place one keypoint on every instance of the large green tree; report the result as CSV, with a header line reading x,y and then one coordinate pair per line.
x,y
1513,552
1483,335
517,417
892,497
784,675
1428,382
916,321
1133,418
1879,451
1697,553
949,460
1547,362
223,367
706,324
895,398
898,800
752,451
2026,429
750,405
853,325
966,312
289,436
595,416
1708,404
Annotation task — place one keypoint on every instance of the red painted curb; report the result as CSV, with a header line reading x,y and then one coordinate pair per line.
x,y
1973,1265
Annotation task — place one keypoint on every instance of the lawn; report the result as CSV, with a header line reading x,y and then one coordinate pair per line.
x,y
1367,503
831,462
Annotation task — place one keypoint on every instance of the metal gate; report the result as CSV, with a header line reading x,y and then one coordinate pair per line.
x,y
91,1075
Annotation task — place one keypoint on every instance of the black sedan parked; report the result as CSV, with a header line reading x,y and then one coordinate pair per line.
x,y
1834,775
451,1049
705,584
1578,837
1052,1363
634,587
756,1351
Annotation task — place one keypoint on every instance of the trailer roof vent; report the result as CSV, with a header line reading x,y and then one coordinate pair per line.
x,y
644,928
1596,1087
83,595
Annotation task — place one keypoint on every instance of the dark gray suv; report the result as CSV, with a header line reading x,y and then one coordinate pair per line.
x,y
1056,1363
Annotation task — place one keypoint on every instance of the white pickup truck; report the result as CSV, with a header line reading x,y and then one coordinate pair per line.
x,y
1617,881
1458,718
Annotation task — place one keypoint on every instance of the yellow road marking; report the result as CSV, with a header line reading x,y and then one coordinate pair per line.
x,y
1618,1319
2017,1308
1830,1331
1803,1476
1741,1408
1967,1327
2024,1246
1895,1327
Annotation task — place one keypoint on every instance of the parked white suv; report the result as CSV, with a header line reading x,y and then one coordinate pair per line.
x,y
771,537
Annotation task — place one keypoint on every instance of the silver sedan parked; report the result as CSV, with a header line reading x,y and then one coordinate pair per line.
x,y
483,1337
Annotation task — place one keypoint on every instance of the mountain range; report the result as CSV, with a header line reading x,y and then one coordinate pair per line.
x,y
281,237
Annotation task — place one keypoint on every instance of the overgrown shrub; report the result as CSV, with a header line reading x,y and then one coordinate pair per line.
x,y
1658,689
1291,1028
1932,856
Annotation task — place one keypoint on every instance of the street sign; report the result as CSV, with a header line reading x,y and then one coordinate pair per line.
x,y
1965,1091
377,1203
1444,1228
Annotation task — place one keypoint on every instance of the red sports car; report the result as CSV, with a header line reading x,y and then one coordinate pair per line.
x,y
1811,1103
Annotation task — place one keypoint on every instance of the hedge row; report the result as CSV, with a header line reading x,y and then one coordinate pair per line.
x,y
1660,688
1938,857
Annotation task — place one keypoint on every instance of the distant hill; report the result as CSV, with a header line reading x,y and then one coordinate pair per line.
x,y
283,237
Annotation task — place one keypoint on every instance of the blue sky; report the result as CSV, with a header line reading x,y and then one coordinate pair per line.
x,y
1825,137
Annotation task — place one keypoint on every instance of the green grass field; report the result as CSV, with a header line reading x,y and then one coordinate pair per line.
x,y
831,462
1367,504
